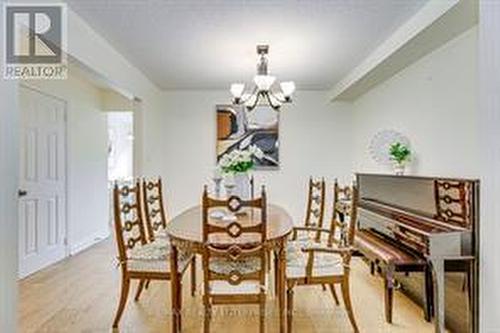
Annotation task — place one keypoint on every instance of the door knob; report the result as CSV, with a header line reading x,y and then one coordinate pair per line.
x,y
22,193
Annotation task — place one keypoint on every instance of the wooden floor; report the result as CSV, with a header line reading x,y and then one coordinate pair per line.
x,y
80,295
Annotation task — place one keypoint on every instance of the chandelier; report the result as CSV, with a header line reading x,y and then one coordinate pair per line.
x,y
264,88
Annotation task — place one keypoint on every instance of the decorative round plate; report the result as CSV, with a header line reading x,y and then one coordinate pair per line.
x,y
382,141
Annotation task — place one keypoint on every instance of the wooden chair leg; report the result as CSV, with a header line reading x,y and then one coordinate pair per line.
x,y
388,298
208,315
179,322
140,287
276,274
193,276
372,268
262,313
123,300
323,286
334,294
346,295
289,310
147,284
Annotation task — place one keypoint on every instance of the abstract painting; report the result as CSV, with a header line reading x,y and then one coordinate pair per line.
x,y
238,128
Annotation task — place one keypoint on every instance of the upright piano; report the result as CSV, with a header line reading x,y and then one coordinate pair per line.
x,y
435,218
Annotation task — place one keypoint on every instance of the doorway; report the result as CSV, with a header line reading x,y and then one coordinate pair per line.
x,y
120,146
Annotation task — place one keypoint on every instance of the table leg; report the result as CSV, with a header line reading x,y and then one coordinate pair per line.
x,y
281,285
439,295
174,282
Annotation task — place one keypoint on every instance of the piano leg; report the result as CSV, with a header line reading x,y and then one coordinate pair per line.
x,y
438,270
389,293
428,294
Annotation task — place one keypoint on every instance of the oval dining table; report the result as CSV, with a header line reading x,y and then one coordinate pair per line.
x,y
186,234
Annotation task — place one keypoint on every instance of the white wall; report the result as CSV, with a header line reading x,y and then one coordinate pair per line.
x,y
180,146
9,167
489,129
88,211
434,103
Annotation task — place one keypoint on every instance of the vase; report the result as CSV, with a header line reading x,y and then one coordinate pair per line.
x,y
399,169
242,185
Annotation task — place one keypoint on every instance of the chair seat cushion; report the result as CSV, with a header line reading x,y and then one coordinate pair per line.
x,y
153,258
161,233
304,242
324,264
225,266
376,246
149,251
162,242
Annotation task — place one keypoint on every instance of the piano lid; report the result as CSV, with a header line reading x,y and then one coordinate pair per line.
x,y
447,200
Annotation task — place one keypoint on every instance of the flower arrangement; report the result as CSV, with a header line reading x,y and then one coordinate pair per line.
x,y
240,161
399,153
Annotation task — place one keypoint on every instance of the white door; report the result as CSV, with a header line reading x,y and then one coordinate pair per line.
x,y
42,192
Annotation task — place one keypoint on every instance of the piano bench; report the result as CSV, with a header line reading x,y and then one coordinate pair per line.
x,y
391,258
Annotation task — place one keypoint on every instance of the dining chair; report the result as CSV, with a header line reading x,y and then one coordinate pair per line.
x,y
313,221
138,259
334,236
234,255
337,233
156,220
324,264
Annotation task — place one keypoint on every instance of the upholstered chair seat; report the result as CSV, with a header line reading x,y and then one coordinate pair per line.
x,y
324,264
151,258
161,233
161,242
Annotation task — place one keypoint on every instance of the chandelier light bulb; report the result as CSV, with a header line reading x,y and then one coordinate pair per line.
x,y
288,88
237,89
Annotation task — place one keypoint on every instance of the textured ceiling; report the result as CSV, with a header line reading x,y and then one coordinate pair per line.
x,y
210,44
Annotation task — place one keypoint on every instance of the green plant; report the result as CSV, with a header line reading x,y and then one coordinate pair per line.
x,y
399,153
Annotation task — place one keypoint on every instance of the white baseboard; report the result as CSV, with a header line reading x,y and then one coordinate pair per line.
x,y
88,242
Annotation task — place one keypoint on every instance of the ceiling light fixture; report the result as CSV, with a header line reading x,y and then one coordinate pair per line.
x,y
263,82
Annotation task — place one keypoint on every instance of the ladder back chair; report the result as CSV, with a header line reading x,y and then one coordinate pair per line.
x,y
234,254
339,225
312,231
156,220
324,264
315,212
337,231
336,235
154,209
138,259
